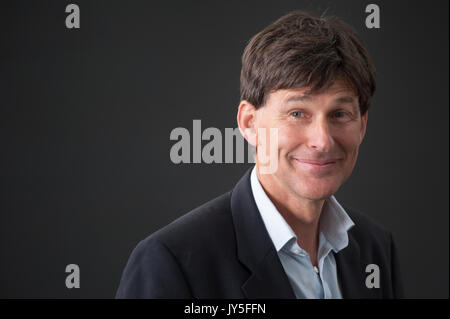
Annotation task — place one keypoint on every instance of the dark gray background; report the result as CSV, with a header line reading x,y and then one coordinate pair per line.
x,y
86,114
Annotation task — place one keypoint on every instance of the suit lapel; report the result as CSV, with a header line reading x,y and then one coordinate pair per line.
x,y
268,280
351,271
255,248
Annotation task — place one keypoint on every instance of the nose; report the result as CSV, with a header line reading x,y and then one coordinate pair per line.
x,y
319,137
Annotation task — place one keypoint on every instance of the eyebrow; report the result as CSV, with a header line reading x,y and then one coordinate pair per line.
x,y
306,98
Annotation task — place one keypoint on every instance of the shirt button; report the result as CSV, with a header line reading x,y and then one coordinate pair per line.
x,y
316,269
298,252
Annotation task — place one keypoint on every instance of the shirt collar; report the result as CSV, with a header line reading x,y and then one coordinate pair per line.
x,y
334,221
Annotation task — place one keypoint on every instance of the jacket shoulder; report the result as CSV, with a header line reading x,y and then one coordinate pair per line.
x,y
157,267
206,224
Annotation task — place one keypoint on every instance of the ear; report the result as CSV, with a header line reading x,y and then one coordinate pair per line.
x,y
364,119
246,118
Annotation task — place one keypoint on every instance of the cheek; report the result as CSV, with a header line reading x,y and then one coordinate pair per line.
x,y
349,145
349,139
289,138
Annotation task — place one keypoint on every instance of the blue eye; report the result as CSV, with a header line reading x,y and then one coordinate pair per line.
x,y
296,113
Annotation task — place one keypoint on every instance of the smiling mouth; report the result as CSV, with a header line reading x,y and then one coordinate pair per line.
x,y
317,165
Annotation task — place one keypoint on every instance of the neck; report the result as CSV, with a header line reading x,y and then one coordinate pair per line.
x,y
301,214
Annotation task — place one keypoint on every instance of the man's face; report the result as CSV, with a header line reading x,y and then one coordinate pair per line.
x,y
318,139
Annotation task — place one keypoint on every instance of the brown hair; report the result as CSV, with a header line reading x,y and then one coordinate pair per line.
x,y
300,50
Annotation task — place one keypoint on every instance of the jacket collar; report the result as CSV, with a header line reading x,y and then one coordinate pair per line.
x,y
255,248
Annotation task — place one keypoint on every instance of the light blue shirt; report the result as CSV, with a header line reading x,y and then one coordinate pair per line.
x,y
306,281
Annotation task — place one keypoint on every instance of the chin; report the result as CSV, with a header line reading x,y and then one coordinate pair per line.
x,y
318,191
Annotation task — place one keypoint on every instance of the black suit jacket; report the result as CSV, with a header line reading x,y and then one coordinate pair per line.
x,y
222,250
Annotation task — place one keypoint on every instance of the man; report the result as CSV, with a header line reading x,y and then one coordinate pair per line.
x,y
282,233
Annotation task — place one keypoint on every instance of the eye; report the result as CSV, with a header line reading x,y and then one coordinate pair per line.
x,y
297,114
340,114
